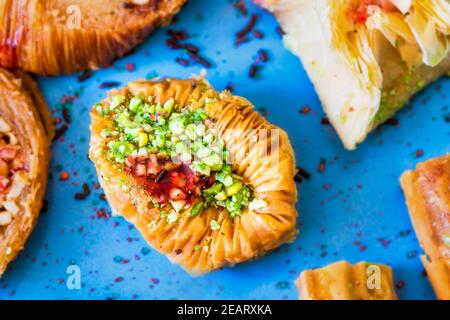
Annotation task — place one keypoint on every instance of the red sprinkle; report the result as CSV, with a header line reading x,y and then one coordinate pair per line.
x,y
182,61
305,110
258,34
400,284
419,153
101,213
322,165
64,176
130,67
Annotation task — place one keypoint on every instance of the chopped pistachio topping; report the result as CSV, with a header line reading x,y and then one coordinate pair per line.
x,y
144,129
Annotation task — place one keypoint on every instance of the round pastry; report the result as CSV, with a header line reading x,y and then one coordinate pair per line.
x,y
205,179
25,132
64,36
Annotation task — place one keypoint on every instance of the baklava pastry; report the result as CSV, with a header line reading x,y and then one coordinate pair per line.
x,y
64,36
427,191
344,281
25,133
205,179
366,58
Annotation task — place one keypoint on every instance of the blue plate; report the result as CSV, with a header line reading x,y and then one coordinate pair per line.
x,y
353,210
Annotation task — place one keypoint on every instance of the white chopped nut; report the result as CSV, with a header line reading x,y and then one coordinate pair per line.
x,y
172,217
15,189
257,204
134,154
142,153
20,180
4,126
140,2
5,218
11,207
8,251
12,138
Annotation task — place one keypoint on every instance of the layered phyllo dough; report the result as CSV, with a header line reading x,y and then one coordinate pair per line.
x,y
25,133
427,191
366,58
64,36
204,178
344,281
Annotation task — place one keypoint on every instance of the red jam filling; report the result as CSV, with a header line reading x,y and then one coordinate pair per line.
x,y
360,13
165,180
9,47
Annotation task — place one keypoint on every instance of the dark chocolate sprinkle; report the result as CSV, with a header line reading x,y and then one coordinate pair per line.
x,y
325,121
252,71
109,84
85,75
66,115
249,27
263,56
60,131
305,174
199,59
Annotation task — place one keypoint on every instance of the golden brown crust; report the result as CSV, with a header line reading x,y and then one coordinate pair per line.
x,y
395,72
31,87
21,117
243,238
59,36
427,195
343,281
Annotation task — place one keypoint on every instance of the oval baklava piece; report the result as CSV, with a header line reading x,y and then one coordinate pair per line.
x,y
205,178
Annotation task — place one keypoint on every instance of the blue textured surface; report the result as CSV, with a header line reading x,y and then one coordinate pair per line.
x,y
353,210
